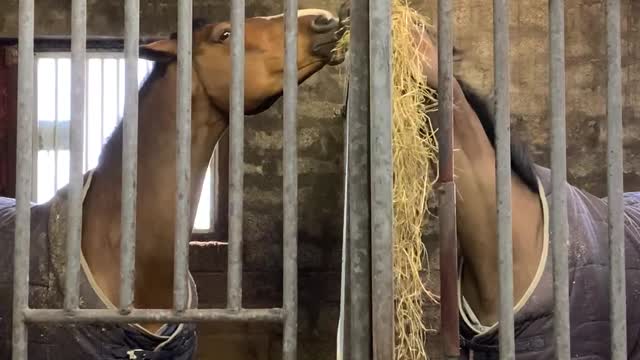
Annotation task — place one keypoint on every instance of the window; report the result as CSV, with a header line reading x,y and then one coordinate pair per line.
x,y
105,103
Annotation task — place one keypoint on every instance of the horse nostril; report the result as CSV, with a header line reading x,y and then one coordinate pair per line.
x,y
323,23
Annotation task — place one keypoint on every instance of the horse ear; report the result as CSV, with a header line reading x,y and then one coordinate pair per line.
x,y
457,54
159,51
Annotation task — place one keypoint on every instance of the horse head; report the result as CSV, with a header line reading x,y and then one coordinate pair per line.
x,y
264,56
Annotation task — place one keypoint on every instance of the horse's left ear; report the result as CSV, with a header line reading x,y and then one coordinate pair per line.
x,y
159,51
457,54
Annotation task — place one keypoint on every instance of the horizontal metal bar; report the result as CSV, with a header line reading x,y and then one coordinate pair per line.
x,y
273,315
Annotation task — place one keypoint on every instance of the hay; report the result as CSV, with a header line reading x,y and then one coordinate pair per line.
x,y
414,152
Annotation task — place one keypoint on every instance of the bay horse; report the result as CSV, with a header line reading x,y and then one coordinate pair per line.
x,y
156,197
476,218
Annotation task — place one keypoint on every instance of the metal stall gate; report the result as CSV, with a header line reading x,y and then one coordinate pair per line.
x,y
22,314
368,207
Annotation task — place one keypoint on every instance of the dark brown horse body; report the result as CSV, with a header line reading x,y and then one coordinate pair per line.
x,y
156,200
476,209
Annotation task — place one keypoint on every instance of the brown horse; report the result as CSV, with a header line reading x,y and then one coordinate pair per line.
x,y
156,199
476,211
476,219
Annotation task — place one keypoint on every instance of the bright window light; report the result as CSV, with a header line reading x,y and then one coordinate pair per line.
x,y
105,105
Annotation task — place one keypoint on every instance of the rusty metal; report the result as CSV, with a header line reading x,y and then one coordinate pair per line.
x,y
447,191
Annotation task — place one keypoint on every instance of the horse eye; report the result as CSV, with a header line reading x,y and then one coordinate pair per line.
x,y
225,35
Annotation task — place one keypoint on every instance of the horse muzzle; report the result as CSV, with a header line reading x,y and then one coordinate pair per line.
x,y
325,39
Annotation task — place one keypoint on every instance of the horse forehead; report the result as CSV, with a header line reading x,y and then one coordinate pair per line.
x,y
301,13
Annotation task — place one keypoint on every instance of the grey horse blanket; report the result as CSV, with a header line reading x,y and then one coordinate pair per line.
x,y
588,287
74,342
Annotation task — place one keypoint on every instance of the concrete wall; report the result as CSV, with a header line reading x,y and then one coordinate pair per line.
x,y
321,148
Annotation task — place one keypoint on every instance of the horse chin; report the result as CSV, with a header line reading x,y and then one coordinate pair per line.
x,y
269,101
264,106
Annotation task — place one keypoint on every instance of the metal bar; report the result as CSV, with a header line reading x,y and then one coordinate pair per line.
x,y
382,307
118,102
503,177
129,154
290,182
102,87
615,185
86,124
183,156
343,338
23,178
559,234
214,184
447,193
236,156
55,126
35,136
153,315
78,85
220,187
359,190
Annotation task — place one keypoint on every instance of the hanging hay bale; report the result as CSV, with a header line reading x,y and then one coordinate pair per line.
x,y
414,152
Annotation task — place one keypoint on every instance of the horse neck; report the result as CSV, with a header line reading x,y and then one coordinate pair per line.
x,y
476,212
156,189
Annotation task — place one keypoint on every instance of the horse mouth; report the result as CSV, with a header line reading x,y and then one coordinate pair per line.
x,y
326,50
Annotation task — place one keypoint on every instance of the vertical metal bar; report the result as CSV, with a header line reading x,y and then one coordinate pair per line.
x,y
55,125
23,178
78,84
290,182
381,179
617,291
35,146
236,156
220,187
343,333
118,101
447,194
86,125
359,192
214,184
183,156
129,154
503,176
102,86
559,234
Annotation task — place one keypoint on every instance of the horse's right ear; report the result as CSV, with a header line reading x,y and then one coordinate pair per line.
x,y
457,54
159,51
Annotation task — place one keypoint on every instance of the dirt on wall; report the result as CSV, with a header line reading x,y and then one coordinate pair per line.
x,y
321,145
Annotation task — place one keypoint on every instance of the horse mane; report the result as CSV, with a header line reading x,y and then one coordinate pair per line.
x,y
114,142
521,161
